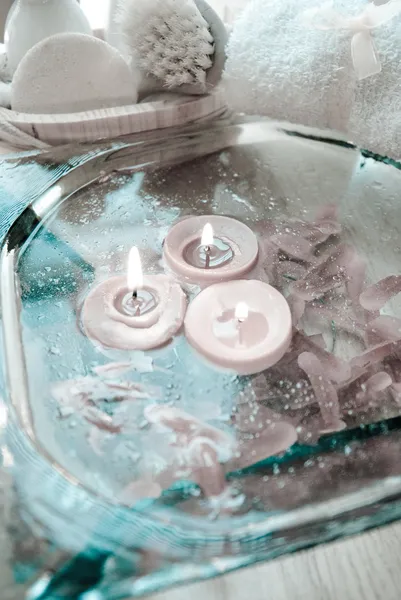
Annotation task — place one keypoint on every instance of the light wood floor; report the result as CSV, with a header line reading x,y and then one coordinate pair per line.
x,y
367,567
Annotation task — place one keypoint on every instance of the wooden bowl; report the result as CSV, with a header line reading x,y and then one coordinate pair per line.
x,y
158,111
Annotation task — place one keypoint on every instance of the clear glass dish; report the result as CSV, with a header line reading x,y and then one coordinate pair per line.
x,y
73,479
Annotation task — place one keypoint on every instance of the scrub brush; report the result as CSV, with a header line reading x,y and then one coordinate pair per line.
x,y
178,45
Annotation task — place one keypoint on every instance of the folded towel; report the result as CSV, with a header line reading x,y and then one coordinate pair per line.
x,y
291,63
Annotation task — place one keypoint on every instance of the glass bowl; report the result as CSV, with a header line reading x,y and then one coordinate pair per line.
x,y
110,494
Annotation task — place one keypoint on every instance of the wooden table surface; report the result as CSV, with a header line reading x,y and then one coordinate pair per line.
x,y
366,567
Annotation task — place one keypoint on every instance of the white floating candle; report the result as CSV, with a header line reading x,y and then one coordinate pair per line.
x,y
134,312
210,249
240,325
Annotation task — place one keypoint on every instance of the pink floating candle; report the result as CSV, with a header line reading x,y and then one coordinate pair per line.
x,y
210,249
241,325
134,312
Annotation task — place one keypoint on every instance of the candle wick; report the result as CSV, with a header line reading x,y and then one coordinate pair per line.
x,y
207,252
136,304
239,329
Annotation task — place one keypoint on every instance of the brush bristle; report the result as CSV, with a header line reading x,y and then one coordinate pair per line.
x,y
168,39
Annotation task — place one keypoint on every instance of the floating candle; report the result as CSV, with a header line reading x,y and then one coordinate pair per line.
x,y
210,249
134,312
240,325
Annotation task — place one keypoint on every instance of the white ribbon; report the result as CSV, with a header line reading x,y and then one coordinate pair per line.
x,y
364,54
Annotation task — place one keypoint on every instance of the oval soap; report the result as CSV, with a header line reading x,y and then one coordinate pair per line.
x,y
72,72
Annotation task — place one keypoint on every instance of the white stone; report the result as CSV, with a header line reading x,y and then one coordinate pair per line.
x,y
72,72
31,21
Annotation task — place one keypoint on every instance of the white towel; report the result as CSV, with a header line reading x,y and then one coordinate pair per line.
x,y
281,66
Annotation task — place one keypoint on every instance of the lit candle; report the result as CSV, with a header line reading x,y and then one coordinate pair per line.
x,y
208,252
210,249
136,300
134,312
240,325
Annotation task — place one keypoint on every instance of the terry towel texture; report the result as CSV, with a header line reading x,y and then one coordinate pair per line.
x,y
281,66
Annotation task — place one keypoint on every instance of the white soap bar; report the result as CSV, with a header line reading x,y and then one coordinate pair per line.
x,y
72,72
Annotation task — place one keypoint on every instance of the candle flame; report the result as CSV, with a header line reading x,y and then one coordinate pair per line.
x,y
207,235
241,312
135,273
